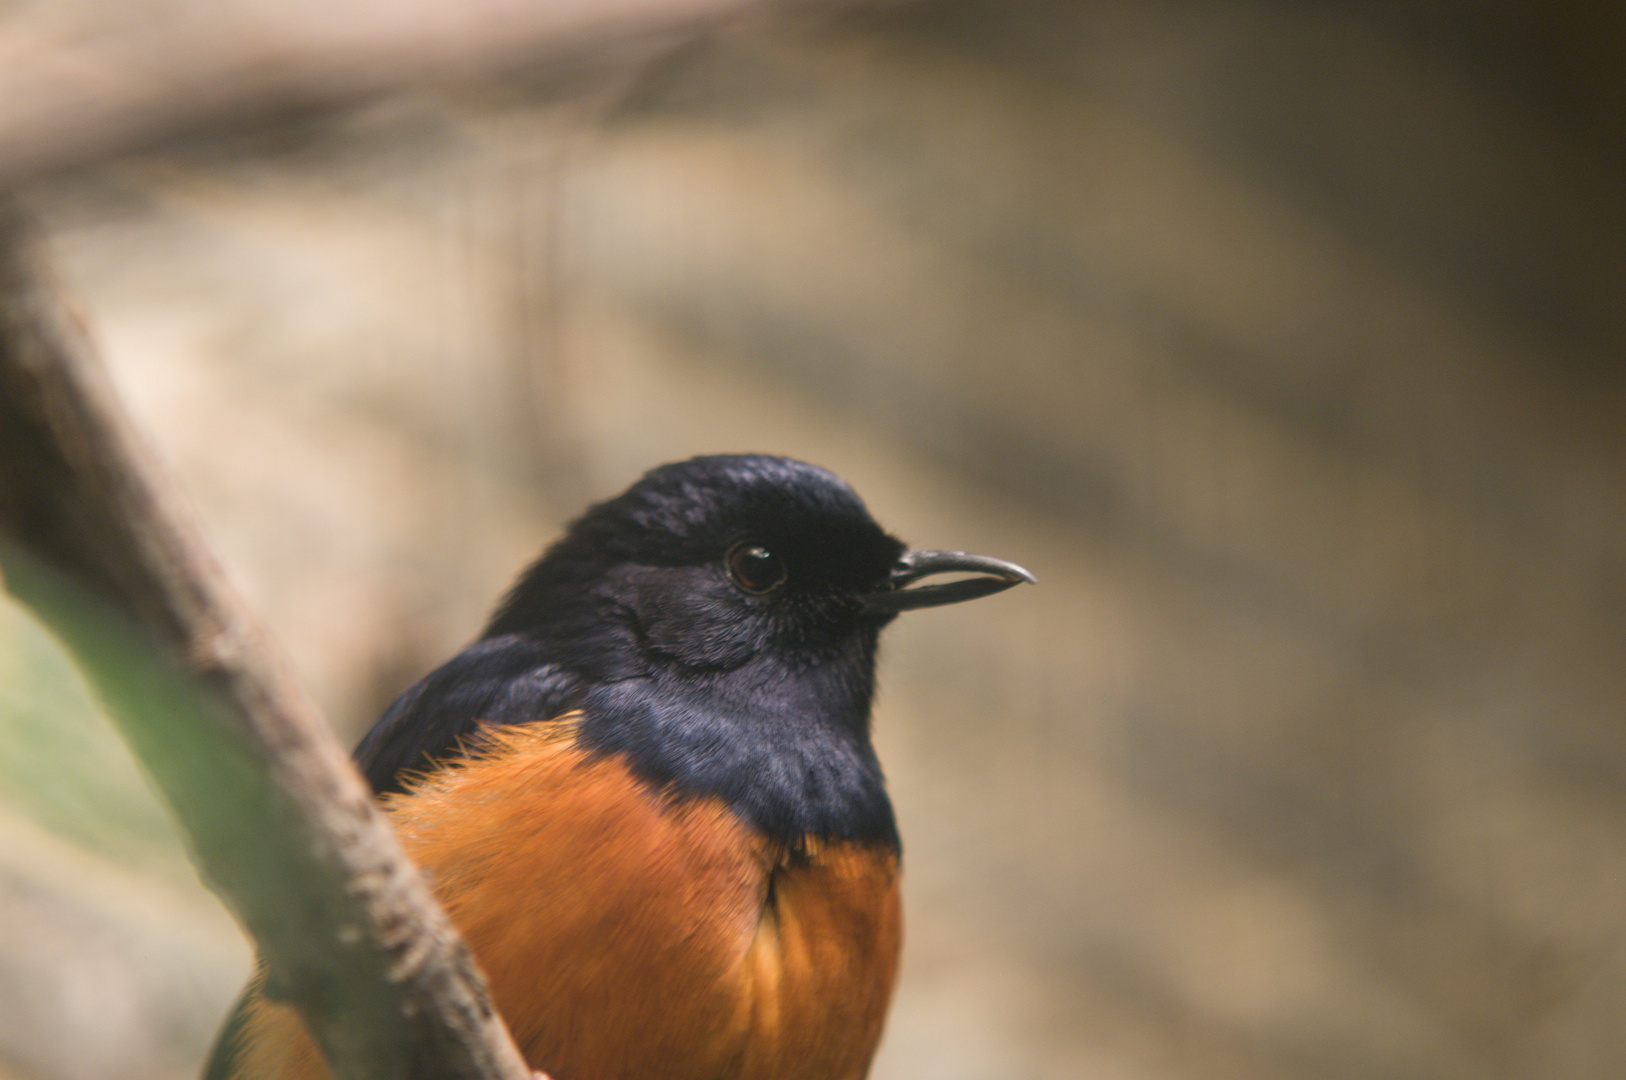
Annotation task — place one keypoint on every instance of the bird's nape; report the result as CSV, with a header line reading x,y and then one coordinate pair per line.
x,y
648,796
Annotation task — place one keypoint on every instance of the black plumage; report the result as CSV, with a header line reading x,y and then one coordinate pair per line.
x,y
634,618
711,633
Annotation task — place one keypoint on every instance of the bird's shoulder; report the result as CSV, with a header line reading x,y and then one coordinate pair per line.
x,y
599,905
654,911
501,680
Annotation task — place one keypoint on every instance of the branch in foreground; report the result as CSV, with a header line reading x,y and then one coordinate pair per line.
x,y
69,98
95,539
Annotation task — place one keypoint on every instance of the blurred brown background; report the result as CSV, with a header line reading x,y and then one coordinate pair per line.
x,y
1282,341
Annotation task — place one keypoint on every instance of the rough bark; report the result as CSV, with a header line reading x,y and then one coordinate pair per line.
x,y
96,540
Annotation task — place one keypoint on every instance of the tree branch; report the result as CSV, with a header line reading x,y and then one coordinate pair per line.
x,y
68,97
94,537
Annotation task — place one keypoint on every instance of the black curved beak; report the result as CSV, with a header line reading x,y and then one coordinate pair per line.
x,y
996,575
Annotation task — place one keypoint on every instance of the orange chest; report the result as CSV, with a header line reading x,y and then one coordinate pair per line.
x,y
630,936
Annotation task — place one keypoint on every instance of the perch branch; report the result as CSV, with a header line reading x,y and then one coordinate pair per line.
x,y
95,539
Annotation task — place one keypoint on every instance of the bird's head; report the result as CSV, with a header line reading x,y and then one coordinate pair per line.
x,y
714,626
713,563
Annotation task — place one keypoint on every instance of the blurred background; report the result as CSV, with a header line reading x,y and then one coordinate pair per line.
x,y
1283,341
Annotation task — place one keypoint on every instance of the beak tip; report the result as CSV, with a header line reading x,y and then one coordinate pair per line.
x,y
995,576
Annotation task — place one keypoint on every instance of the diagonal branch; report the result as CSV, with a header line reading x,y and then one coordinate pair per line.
x,y
94,537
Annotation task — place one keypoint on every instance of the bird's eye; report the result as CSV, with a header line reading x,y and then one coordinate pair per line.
x,y
755,569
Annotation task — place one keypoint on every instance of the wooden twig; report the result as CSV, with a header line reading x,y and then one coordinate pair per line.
x,y
95,539
69,98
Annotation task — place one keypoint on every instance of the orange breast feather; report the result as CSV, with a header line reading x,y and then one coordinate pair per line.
x,y
628,936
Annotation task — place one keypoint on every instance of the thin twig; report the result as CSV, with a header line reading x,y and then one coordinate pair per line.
x,y
94,538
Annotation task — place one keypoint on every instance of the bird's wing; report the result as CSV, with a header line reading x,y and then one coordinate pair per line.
x,y
222,1064
626,934
500,680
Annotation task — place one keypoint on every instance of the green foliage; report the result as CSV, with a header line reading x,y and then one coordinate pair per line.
x,y
63,765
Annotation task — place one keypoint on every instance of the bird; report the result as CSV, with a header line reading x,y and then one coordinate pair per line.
x,y
647,795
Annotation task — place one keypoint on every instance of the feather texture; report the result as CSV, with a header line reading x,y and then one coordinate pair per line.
x,y
634,933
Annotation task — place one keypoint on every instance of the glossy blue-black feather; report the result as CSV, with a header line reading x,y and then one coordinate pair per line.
x,y
499,680
758,697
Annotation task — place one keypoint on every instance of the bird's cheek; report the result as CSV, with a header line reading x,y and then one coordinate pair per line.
x,y
696,628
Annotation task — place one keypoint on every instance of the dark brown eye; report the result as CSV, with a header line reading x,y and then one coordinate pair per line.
x,y
755,569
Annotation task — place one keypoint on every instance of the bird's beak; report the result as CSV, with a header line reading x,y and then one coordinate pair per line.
x,y
995,575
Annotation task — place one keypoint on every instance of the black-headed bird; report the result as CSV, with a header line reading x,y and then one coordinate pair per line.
x,y
647,795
